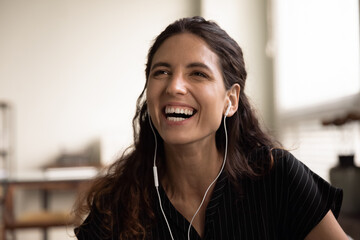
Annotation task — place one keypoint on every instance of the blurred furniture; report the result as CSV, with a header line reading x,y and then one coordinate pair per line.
x,y
341,120
46,184
349,217
347,176
350,223
5,122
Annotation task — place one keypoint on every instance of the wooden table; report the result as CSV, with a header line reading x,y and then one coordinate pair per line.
x,y
46,184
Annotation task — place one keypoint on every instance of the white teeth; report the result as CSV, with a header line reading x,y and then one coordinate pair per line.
x,y
179,110
176,119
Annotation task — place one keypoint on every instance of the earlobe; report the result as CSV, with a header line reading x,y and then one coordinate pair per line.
x,y
228,108
233,99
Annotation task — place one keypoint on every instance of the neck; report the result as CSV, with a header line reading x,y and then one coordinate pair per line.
x,y
190,169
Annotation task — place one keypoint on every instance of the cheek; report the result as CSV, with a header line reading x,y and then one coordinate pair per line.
x,y
152,99
218,114
214,99
153,90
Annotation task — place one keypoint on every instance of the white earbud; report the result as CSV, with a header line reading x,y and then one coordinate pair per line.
x,y
228,109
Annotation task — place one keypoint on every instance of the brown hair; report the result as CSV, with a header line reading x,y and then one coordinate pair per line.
x,y
124,196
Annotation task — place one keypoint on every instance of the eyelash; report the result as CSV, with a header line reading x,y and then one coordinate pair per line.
x,y
200,74
160,72
195,73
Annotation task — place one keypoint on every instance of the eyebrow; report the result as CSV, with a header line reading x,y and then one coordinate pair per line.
x,y
198,64
191,65
160,64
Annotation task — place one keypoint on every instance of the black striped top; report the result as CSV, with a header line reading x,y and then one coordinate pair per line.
x,y
287,203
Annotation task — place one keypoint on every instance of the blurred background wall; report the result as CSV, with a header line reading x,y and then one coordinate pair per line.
x,y
72,70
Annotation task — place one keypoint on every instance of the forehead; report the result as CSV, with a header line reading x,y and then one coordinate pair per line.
x,y
188,47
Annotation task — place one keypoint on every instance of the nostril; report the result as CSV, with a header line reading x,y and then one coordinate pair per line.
x,y
176,86
175,91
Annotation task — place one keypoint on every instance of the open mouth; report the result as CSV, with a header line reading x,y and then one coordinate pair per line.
x,y
177,114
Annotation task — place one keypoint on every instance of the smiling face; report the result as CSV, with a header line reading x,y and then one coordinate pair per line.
x,y
186,95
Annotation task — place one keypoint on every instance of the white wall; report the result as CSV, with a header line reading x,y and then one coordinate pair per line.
x,y
73,70
246,22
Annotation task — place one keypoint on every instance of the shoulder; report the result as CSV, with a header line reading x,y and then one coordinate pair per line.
x,y
275,167
277,161
297,174
309,196
273,160
286,162
294,174
300,197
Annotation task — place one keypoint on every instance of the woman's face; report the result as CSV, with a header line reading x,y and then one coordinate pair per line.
x,y
186,95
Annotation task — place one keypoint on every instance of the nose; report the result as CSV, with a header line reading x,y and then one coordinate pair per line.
x,y
176,85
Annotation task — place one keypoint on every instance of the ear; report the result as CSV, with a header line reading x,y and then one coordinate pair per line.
x,y
232,96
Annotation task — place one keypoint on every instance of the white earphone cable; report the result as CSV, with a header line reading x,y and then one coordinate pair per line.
x,y
206,192
212,183
156,179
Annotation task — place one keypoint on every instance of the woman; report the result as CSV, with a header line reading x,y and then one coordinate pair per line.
x,y
217,169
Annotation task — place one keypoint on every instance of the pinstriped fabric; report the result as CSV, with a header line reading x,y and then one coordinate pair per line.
x,y
91,229
285,204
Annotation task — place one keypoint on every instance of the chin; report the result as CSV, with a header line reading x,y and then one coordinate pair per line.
x,y
177,140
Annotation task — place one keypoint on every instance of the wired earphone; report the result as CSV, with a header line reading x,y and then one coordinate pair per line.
x,y
156,180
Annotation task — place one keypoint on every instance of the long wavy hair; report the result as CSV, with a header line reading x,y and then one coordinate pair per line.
x,y
123,197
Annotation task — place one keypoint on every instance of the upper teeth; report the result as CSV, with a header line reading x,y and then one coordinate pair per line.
x,y
179,110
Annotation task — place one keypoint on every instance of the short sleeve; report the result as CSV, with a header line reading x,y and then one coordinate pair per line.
x,y
308,197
